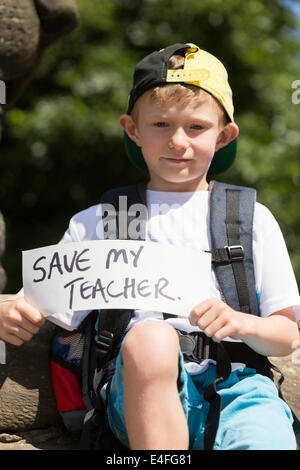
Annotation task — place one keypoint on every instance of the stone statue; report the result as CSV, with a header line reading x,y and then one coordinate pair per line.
x,y
27,28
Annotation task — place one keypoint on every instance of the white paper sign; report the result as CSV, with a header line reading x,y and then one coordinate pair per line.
x,y
116,274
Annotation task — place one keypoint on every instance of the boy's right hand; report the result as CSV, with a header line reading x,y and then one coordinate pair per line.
x,y
19,320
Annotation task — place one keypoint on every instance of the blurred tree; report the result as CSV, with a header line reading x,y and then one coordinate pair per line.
x,y
63,146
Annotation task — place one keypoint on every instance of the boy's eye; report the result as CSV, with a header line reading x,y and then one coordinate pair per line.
x,y
197,127
160,124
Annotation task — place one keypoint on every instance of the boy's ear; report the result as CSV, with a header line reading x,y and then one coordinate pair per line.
x,y
130,127
227,134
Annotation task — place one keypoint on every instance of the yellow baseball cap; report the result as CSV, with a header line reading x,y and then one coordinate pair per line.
x,y
200,69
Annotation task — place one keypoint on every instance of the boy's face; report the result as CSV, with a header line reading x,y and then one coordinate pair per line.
x,y
178,141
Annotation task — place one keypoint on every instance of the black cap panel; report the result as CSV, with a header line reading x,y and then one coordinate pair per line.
x,y
152,71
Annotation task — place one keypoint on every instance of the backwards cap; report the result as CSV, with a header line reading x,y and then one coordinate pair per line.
x,y
201,69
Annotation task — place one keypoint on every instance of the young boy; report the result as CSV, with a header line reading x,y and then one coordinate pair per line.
x,y
179,125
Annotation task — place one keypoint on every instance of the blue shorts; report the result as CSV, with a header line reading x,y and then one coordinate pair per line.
x,y
253,417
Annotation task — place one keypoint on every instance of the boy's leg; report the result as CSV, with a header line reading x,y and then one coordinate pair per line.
x,y
253,416
153,412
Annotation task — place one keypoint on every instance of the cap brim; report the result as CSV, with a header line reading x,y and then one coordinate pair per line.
x,y
222,160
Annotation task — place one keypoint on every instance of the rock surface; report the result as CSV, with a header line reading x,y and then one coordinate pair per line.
x,y
27,399
28,27
290,367
52,438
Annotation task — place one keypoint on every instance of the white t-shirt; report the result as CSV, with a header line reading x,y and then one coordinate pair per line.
x,y
182,219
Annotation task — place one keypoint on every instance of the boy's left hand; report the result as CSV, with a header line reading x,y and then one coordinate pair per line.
x,y
217,320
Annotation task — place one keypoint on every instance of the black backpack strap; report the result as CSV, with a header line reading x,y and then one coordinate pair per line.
x,y
296,427
231,228
112,325
107,332
104,344
223,370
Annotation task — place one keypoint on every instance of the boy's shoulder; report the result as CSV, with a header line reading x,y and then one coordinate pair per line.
x,y
85,224
85,215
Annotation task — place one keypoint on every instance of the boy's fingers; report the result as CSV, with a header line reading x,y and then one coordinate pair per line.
x,y
214,327
32,314
222,333
12,339
19,320
200,310
20,333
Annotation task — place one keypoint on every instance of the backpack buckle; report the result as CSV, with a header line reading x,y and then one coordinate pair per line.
x,y
104,342
187,343
194,346
235,253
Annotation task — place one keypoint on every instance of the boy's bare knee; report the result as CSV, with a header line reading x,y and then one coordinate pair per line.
x,y
151,337
151,349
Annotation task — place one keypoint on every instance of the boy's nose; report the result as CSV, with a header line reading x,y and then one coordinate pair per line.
x,y
178,140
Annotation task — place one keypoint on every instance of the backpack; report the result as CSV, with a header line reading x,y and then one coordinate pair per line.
x,y
83,360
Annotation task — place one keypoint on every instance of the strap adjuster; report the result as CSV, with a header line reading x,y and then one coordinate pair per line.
x,y
235,253
104,342
227,255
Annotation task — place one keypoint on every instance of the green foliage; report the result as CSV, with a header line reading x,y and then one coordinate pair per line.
x,y
63,147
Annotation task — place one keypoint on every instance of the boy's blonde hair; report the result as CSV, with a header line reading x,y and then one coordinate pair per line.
x,y
178,93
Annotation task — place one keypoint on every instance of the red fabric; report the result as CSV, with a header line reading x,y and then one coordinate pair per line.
x,y
66,388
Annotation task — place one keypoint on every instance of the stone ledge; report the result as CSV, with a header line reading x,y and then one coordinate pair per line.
x,y
27,399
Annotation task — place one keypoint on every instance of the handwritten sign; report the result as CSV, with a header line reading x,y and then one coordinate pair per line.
x,y
116,274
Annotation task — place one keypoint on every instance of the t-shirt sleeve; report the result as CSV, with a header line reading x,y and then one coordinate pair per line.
x,y
85,225
275,279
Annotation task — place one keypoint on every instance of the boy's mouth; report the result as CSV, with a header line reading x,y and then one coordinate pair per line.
x,y
178,160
